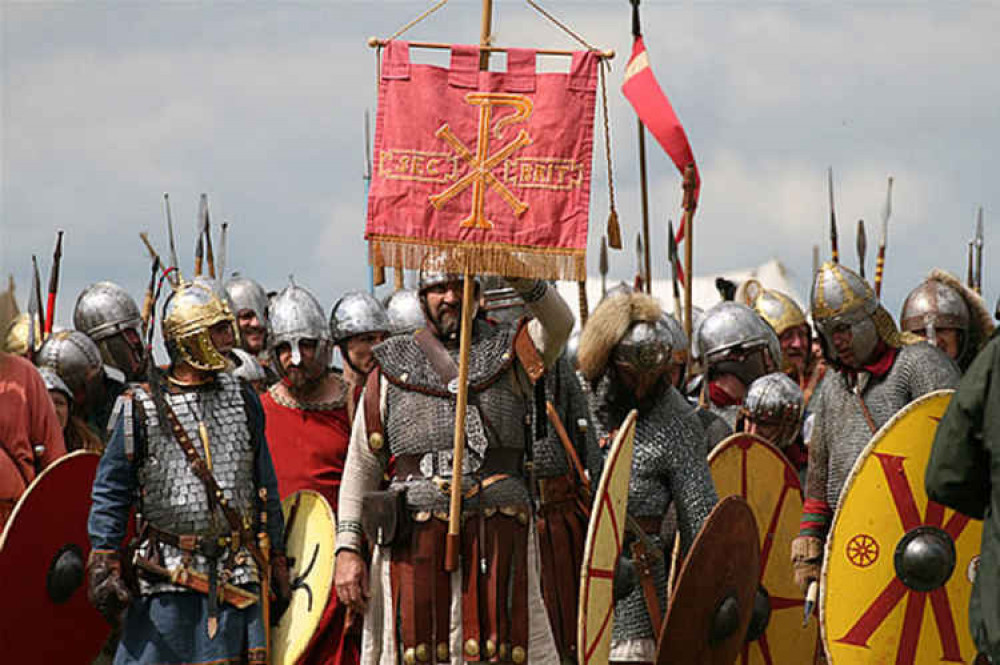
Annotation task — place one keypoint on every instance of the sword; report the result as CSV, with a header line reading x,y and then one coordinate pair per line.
x,y
192,579
880,261
50,311
175,264
833,219
603,267
674,263
979,251
862,242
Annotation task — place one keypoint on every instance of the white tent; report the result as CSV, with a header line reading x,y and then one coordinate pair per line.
x,y
772,275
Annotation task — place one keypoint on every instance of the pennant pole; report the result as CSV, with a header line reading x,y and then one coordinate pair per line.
x,y
690,204
453,537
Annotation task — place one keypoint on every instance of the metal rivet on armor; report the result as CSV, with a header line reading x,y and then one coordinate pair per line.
x,y
491,648
410,656
404,377
505,356
518,655
376,441
443,653
422,516
423,653
441,515
471,648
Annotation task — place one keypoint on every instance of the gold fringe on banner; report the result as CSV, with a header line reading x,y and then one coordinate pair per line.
x,y
498,259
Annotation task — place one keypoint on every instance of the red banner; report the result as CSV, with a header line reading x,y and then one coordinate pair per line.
x,y
485,170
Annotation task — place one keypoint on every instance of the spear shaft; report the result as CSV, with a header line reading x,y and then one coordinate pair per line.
x,y
170,239
862,242
979,251
833,219
50,311
674,261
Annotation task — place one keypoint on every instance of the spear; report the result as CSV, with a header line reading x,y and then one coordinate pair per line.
x,y
643,186
50,311
833,219
640,273
979,251
603,267
174,263
223,248
674,262
34,309
970,278
207,228
862,243
880,261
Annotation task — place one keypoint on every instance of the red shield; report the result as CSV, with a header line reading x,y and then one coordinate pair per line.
x,y
43,620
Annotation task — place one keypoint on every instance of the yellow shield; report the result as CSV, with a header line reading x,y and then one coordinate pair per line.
x,y
876,606
310,539
603,546
747,466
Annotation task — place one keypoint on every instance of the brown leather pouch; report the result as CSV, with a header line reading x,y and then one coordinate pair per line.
x,y
385,517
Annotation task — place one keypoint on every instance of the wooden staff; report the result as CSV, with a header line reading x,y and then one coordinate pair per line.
x,y
690,203
453,538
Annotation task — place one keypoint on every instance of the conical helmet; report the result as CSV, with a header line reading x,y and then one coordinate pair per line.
x,y
357,313
246,294
295,315
107,314
934,305
775,307
75,358
188,313
729,337
405,313
841,298
680,347
777,401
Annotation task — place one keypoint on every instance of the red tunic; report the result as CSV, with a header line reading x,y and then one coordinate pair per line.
x,y
309,448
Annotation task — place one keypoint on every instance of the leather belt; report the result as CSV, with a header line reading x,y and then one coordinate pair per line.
x,y
557,489
650,525
210,546
498,462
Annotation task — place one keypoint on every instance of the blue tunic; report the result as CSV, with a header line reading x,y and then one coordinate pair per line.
x,y
171,628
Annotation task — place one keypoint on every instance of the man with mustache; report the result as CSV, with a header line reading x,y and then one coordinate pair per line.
x,y
308,431
491,607
874,372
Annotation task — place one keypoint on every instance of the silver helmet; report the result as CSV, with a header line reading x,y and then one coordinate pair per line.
x,y
54,382
404,312
932,306
247,368
680,347
296,315
572,348
646,347
841,298
104,312
734,339
777,401
75,358
434,271
246,294
357,313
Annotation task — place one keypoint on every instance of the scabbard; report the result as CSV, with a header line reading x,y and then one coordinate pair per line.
x,y
644,566
195,581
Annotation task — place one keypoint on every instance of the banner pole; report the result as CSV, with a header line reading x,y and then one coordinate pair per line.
x,y
689,207
452,541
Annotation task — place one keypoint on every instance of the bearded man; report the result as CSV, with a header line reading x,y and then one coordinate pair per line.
x,y
625,355
188,453
874,372
490,608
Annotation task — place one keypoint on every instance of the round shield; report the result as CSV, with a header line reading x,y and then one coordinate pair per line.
x,y
45,617
747,466
710,608
898,568
310,539
603,547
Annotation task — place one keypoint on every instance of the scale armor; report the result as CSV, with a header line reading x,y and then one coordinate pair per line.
x,y
669,467
840,430
104,311
173,498
420,415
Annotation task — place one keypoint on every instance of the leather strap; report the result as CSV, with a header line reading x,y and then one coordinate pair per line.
x,y
502,461
864,410
436,355
373,411
644,565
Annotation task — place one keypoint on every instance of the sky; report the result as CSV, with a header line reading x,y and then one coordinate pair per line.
x,y
107,105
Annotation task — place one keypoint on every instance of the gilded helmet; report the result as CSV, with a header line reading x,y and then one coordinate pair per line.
x,y
75,358
104,312
188,313
295,316
20,333
775,307
246,294
404,312
733,339
775,400
357,313
842,299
